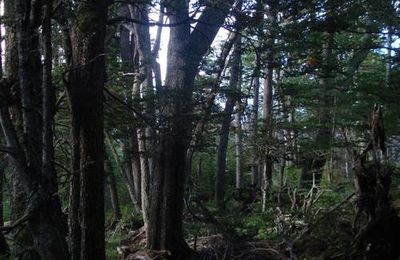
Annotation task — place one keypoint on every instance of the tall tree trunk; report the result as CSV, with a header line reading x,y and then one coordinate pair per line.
x,y
17,195
185,51
254,129
87,78
226,123
113,192
267,104
44,233
238,146
146,135
131,150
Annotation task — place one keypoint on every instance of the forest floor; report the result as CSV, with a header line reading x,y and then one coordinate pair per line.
x,y
317,226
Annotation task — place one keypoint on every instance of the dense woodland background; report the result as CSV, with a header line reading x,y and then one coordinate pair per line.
x,y
269,131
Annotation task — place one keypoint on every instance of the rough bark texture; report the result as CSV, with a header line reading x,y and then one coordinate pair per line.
x,y
185,50
87,78
42,233
17,199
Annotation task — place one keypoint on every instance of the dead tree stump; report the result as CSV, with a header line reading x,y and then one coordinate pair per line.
x,y
377,225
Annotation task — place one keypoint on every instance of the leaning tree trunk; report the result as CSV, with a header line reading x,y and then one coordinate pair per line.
x,y
185,51
87,77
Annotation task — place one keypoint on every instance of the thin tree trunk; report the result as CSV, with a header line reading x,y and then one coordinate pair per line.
x,y
389,56
146,135
226,123
131,151
238,147
113,192
124,170
267,105
209,104
254,128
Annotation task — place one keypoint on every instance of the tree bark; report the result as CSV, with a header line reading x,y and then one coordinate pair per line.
x,y
43,210
87,77
238,146
267,104
185,51
226,123
146,135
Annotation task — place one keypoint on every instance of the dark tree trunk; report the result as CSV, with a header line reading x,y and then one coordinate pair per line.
x,y
87,79
43,233
1,195
185,50
17,195
226,123
221,153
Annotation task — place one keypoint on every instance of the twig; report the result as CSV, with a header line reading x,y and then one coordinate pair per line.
x,y
311,227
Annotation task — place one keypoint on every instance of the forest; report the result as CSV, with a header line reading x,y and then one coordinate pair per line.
x,y
199,129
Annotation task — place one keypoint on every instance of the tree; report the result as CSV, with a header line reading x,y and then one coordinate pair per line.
x,y
185,50
85,90
42,231
233,96
267,99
